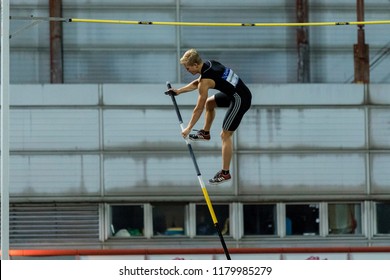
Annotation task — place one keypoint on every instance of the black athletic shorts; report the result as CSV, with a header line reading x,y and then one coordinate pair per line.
x,y
238,105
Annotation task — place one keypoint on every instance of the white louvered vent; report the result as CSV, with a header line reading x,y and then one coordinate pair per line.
x,y
41,223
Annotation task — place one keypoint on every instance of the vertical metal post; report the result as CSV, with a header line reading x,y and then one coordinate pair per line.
x,y
361,50
5,129
56,45
303,69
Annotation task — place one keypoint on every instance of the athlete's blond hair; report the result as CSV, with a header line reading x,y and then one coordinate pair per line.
x,y
190,58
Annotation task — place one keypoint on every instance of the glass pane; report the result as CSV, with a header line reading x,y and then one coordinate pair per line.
x,y
168,219
259,219
204,222
344,218
383,221
127,220
302,219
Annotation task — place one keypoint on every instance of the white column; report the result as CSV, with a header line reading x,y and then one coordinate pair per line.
x,y
5,129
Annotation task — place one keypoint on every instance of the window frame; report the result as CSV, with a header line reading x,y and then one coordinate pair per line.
x,y
108,219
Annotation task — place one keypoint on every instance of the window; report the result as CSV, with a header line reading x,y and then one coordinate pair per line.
x,y
302,219
260,220
168,219
344,218
205,224
383,221
127,220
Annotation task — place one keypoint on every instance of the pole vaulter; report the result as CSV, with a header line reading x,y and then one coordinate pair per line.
x,y
199,175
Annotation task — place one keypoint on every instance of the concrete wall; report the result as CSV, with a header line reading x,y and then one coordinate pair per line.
x,y
110,140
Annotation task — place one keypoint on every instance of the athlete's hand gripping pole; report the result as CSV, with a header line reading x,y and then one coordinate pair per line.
x,y
204,190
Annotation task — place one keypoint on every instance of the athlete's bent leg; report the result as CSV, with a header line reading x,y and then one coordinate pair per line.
x,y
227,148
210,113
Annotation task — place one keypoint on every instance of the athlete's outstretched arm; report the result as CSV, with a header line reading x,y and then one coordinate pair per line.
x,y
190,87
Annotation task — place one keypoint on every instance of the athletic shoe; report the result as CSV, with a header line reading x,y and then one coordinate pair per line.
x,y
220,178
200,135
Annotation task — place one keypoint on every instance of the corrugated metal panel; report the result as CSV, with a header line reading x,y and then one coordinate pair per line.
x,y
279,128
379,94
117,53
338,37
381,73
304,173
142,95
377,36
233,3
29,49
307,94
134,66
36,37
331,67
152,129
29,66
124,4
54,94
32,3
166,173
380,175
43,175
342,3
103,53
236,37
88,36
47,223
380,128
140,150
125,129
54,129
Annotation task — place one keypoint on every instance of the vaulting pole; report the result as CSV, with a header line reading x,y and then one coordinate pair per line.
x,y
199,175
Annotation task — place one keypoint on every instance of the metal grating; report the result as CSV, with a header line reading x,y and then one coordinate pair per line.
x,y
54,222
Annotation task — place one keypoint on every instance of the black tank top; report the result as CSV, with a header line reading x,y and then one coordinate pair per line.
x,y
225,79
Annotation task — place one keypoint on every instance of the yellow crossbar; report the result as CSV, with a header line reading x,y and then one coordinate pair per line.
x,y
216,24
